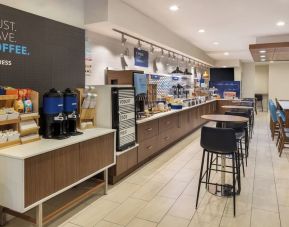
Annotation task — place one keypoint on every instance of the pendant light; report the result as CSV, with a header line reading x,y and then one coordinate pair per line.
x,y
177,70
186,72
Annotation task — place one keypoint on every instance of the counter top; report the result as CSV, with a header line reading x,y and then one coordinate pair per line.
x,y
284,104
159,115
45,145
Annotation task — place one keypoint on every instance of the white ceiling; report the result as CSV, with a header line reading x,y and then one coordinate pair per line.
x,y
233,23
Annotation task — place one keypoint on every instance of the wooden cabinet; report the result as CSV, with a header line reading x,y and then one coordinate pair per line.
x,y
168,123
66,166
124,162
147,130
38,178
124,77
184,123
165,139
196,117
48,173
95,154
147,148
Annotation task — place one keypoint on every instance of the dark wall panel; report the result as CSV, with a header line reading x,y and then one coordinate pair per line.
x,y
222,74
56,52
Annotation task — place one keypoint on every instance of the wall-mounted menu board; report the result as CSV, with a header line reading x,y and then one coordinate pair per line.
x,y
40,53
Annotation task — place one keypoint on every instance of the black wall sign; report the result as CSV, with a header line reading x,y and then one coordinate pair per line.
x,y
39,53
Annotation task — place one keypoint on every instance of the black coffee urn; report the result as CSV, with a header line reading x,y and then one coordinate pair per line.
x,y
53,117
70,111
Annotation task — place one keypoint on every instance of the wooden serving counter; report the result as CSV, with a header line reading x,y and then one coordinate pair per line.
x,y
33,173
155,134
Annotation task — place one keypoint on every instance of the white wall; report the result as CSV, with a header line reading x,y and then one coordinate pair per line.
x,y
66,11
248,80
238,73
261,79
279,80
105,52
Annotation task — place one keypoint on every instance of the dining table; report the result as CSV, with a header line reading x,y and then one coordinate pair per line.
x,y
238,107
223,119
284,104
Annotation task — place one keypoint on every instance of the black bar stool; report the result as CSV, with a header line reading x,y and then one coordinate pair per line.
x,y
259,99
242,131
219,142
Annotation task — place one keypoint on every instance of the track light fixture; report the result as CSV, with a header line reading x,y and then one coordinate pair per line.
x,y
152,49
123,40
126,51
139,45
162,53
123,62
155,67
170,54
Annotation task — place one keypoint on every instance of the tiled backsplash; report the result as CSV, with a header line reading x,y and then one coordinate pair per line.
x,y
165,82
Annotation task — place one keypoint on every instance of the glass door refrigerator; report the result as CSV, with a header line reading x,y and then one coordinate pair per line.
x,y
115,108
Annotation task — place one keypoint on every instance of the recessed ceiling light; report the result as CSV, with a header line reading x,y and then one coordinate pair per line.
x,y
226,53
201,30
263,59
224,66
174,8
262,51
216,43
280,23
263,56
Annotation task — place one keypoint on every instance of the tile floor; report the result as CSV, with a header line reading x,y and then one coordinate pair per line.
x,y
163,192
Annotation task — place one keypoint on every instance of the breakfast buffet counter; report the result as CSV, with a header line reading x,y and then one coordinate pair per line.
x,y
163,114
160,131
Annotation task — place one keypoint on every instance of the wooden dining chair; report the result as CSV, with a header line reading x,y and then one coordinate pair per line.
x,y
283,137
274,125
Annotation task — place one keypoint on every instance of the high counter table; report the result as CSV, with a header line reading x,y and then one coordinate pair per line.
x,y
238,107
223,119
284,104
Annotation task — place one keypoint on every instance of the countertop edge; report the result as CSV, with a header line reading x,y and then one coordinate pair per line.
x,y
159,115
18,152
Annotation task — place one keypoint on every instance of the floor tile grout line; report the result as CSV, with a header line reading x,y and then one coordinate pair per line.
x,y
275,185
256,154
141,219
73,224
223,214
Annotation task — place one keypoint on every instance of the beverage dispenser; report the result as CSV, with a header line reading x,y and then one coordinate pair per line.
x,y
54,119
70,111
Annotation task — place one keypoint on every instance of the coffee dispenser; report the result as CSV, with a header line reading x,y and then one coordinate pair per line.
x,y
53,119
70,111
